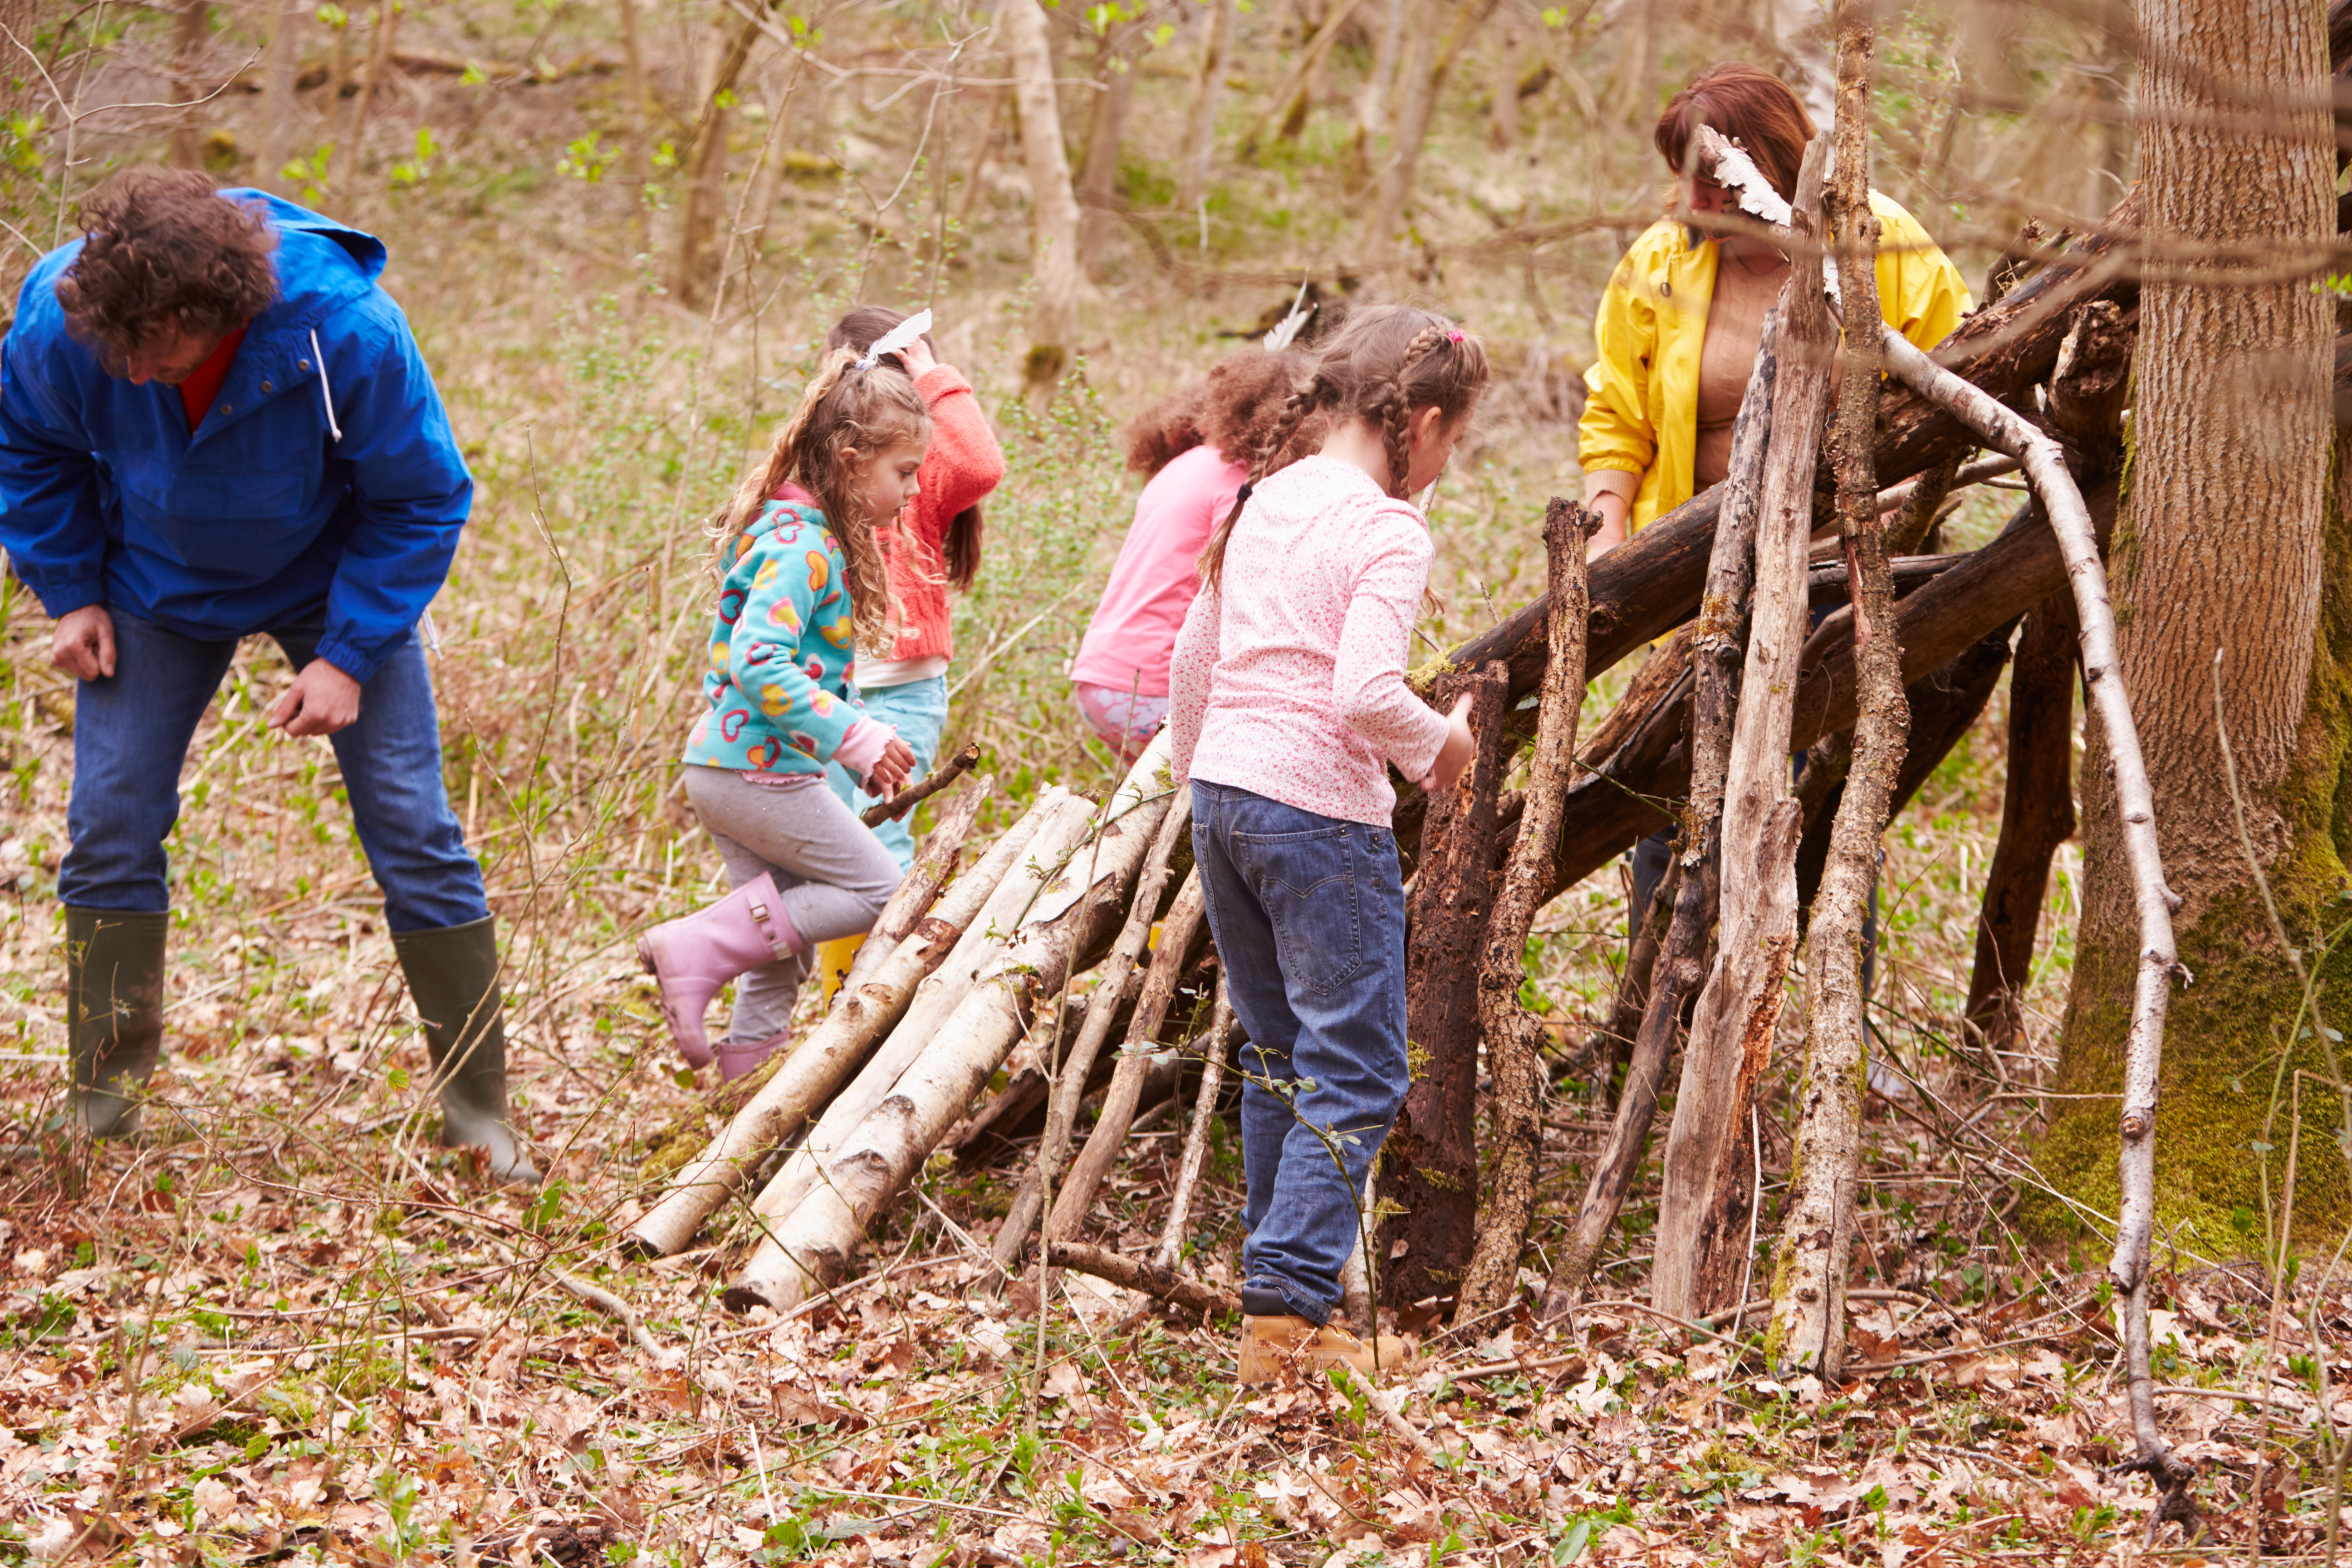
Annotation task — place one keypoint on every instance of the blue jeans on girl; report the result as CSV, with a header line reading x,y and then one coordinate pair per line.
x,y
919,711
1308,916
131,731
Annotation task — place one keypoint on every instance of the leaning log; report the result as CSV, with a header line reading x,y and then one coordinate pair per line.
x,y
2037,816
920,886
809,1248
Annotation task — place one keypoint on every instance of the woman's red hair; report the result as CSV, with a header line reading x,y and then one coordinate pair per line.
x,y
1753,108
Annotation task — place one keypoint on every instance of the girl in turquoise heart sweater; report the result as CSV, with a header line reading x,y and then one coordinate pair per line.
x,y
803,587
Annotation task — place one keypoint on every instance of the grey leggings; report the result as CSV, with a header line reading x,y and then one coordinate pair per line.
x,y
832,874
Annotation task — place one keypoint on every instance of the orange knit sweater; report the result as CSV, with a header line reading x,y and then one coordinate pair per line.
x,y
963,465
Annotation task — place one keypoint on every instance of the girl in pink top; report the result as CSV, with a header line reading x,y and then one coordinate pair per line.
x,y
1287,702
1194,446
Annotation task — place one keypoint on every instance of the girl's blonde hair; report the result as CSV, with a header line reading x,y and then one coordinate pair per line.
x,y
1384,363
842,409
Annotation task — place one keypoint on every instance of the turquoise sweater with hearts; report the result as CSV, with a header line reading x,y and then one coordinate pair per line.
x,y
781,688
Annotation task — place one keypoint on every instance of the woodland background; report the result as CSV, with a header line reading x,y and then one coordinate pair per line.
x,y
287,1328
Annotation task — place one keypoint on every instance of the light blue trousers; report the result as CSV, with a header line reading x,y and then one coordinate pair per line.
x,y
919,711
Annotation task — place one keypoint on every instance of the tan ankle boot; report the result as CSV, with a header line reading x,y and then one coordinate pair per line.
x,y
1267,1343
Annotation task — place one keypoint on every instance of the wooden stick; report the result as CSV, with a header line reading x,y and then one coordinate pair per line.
x,y
919,888
1731,1031
815,1068
2062,504
1117,1114
1808,1333
913,795
1149,1276
1515,1036
1070,1086
1215,1046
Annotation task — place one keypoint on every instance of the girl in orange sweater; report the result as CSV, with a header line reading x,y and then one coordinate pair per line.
x,y
936,546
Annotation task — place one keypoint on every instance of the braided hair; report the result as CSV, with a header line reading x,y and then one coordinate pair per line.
x,y
842,410
1384,363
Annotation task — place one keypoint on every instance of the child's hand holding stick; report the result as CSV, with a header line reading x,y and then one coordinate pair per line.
x,y
1454,755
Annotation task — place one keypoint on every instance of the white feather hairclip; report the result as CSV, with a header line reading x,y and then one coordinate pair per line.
x,y
1735,171
1289,327
896,338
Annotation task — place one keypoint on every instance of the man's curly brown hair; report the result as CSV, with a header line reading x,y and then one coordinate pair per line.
x,y
160,248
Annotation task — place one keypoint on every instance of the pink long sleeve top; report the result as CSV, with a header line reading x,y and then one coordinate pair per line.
x,y
1288,680
1133,633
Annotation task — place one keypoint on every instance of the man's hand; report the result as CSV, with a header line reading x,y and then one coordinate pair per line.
x,y
1454,755
890,770
83,643
322,701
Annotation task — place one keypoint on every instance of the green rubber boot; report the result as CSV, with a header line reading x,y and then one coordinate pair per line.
x,y
453,977
114,1014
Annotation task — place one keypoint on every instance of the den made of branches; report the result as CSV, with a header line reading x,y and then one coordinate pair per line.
x,y
2074,575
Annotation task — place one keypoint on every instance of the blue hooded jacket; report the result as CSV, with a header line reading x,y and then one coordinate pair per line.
x,y
324,473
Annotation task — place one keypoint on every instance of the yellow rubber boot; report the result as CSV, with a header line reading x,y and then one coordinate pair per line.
x,y
832,960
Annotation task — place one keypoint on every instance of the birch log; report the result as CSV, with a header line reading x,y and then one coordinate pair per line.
x,y
920,888
2070,520
1732,1032
810,1247
1515,1036
1807,1323
818,1064
1062,821
1102,1008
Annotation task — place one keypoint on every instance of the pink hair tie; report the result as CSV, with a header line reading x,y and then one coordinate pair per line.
x,y
1454,336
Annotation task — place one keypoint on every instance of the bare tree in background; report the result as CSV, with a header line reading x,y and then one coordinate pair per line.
x,y
1201,120
1052,202
188,47
1114,76
637,156
1439,31
704,164
279,103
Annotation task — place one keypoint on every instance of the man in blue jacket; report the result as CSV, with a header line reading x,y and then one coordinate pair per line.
x,y
213,423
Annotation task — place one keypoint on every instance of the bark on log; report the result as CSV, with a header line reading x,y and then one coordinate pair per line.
x,y
2037,814
1178,932
1062,821
813,1069
1617,803
1731,1031
1808,1330
809,1248
920,887
1078,1062
1431,1157
1215,1047
1515,1036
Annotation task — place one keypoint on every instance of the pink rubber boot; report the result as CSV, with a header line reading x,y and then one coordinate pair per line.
x,y
693,957
737,1058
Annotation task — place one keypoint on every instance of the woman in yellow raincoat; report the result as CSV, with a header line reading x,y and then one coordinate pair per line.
x,y
1679,323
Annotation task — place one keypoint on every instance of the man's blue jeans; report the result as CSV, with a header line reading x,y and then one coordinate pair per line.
x,y
131,731
1308,916
919,711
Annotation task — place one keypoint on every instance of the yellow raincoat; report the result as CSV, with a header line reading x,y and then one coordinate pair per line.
x,y
1641,414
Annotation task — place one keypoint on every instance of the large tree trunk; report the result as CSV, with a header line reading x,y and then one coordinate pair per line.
x,y
1439,32
2232,538
1053,204
188,48
1099,183
705,164
1201,123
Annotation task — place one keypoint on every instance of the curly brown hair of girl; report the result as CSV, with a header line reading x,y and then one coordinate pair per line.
x,y
1384,364
844,412
163,250
959,551
1231,409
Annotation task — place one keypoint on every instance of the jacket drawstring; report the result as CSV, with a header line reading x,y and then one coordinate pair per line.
x,y
325,393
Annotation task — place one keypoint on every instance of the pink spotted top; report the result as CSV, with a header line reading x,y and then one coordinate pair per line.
x,y
1289,680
